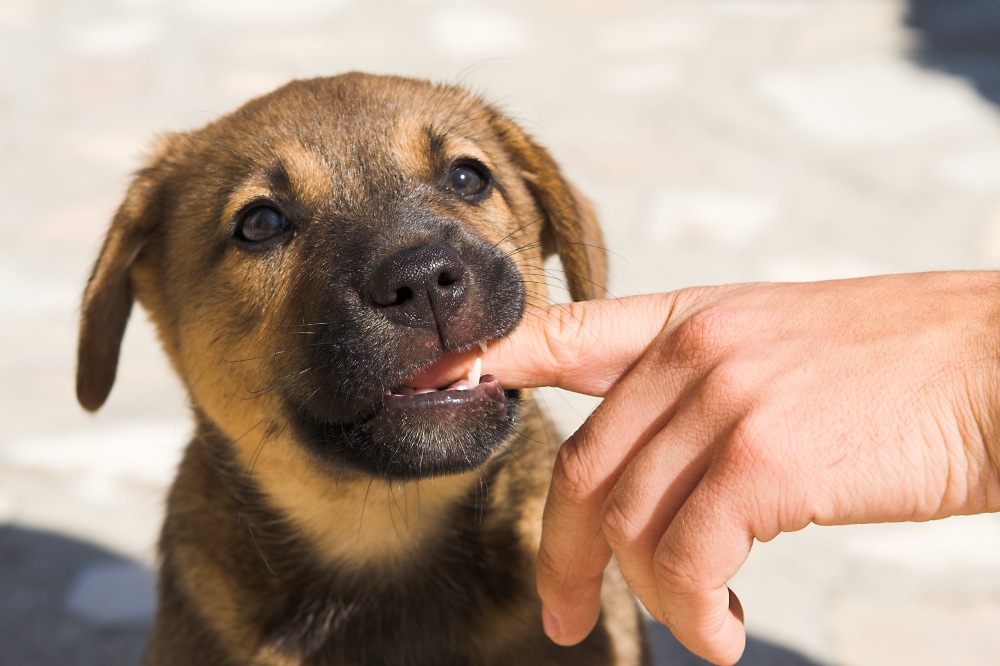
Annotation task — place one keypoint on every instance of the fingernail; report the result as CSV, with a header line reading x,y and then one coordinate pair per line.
x,y
550,623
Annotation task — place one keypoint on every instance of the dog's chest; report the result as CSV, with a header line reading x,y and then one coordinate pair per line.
x,y
429,614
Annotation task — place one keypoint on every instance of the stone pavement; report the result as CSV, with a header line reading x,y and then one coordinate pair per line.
x,y
722,140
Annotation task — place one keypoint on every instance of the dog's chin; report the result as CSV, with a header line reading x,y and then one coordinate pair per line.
x,y
409,436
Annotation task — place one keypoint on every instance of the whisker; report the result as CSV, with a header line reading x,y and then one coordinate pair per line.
x,y
520,230
594,246
277,352
523,248
513,454
256,393
364,505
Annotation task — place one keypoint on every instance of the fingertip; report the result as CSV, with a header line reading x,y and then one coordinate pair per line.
x,y
721,642
570,614
731,640
551,624
569,632
569,623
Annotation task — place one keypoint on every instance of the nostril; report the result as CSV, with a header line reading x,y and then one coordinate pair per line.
x,y
403,294
446,279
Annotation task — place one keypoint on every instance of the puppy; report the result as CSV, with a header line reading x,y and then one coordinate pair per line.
x,y
300,259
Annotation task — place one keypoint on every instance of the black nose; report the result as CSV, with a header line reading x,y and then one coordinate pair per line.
x,y
421,287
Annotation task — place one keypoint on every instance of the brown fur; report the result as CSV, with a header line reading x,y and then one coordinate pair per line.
x,y
305,525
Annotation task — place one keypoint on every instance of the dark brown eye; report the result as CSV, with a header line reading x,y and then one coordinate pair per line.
x,y
260,224
469,180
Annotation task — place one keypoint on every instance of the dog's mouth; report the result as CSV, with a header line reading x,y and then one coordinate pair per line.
x,y
446,417
475,386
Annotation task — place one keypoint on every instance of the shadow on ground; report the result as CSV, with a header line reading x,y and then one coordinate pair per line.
x,y
47,612
668,652
40,579
960,37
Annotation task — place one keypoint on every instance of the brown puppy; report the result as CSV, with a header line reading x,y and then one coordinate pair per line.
x,y
301,258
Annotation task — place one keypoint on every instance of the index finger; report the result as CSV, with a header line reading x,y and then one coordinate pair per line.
x,y
583,347
588,346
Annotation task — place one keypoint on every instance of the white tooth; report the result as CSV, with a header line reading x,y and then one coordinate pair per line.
x,y
482,346
477,369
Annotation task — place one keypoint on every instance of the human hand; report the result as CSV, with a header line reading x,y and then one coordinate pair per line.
x,y
736,413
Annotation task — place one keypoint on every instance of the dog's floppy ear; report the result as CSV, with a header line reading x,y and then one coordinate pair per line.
x,y
571,228
108,298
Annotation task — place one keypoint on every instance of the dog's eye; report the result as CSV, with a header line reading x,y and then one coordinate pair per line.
x,y
469,181
260,224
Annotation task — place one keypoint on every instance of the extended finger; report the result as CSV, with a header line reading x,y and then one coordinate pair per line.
x,y
585,347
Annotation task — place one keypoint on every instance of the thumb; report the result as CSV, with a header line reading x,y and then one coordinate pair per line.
x,y
585,347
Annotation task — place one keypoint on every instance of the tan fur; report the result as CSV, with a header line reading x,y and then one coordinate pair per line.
x,y
265,536
397,515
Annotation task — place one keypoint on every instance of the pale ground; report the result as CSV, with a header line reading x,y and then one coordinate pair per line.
x,y
722,140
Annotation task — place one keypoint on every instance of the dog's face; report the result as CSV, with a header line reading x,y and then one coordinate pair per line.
x,y
305,255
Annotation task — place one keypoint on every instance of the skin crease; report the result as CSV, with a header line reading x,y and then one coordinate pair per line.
x,y
735,413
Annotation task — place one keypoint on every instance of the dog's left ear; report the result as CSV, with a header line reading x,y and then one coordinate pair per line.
x,y
108,298
571,228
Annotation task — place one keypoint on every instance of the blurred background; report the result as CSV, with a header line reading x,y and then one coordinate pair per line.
x,y
721,141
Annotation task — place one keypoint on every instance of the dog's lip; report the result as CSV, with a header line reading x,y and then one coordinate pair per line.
x,y
452,380
487,389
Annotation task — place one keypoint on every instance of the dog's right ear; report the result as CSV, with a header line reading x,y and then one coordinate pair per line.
x,y
108,298
570,228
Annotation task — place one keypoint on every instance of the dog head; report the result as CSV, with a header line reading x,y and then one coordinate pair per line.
x,y
305,255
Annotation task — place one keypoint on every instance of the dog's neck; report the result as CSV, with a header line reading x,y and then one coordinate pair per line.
x,y
317,574
353,520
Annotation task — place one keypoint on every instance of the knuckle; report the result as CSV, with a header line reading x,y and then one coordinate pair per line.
x,y
701,336
560,569
574,478
673,572
565,334
747,448
547,565
730,379
618,528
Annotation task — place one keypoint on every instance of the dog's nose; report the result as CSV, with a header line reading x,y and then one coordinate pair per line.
x,y
421,286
